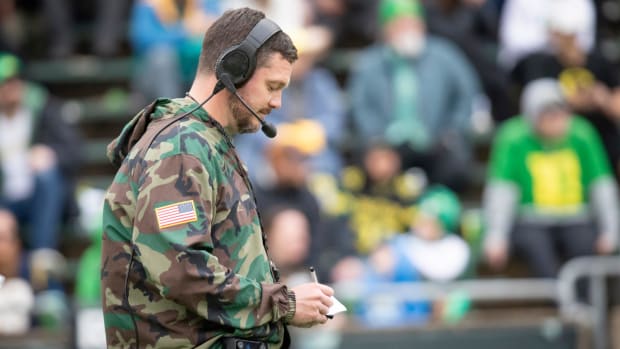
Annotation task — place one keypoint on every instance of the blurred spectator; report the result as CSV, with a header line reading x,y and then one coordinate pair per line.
x,y
89,322
288,237
289,14
39,155
12,27
416,92
353,22
375,197
432,251
31,295
109,17
88,279
550,194
288,187
16,295
434,247
590,82
166,36
313,102
523,26
473,26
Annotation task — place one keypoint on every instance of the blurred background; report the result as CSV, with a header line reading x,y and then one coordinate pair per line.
x,y
449,166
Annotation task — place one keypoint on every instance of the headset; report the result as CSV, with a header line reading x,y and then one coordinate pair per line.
x,y
239,62
235,66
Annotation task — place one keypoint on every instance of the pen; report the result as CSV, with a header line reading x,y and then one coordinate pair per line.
x,y
316,280
313,274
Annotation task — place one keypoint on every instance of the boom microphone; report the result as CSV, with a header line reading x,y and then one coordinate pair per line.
x,y
268,128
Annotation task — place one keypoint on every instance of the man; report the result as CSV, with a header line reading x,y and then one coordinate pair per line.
x,y
415,92
16,295
589,80
183,258
472,25
523,27
39,157
550,194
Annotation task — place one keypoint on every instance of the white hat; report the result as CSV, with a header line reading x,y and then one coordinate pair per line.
x,y
568,16
540,95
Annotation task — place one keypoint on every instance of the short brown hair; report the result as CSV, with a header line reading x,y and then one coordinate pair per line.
x,y
230,29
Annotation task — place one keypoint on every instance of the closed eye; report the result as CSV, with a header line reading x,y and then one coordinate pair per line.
x,y
275,86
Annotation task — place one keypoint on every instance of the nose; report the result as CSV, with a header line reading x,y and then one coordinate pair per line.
x,y
275,101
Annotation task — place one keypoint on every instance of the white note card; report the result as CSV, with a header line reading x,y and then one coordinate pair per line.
x,y
336,308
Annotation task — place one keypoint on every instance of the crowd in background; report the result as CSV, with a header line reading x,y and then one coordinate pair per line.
x,y
506,110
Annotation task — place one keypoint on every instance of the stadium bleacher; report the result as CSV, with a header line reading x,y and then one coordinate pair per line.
x,y
97,97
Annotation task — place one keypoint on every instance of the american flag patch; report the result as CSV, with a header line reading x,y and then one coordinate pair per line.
x,y
175,214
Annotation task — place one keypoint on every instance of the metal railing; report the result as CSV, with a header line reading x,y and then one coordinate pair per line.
x,y
562,291
477,290
595,270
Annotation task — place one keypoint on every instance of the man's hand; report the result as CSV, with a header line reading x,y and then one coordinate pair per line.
x,y
42,158
612,108
603,245
313,301
496,253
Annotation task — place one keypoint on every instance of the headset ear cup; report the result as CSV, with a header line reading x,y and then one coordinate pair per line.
x,y
237,63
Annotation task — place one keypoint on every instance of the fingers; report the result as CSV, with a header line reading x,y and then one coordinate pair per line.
x,y
323,310
323,294
326,290
325,297
313,303
603,245
323,319
496,255
319,319
325,300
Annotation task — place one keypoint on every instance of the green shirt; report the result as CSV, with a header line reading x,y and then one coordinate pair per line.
x,y
551,179
185,207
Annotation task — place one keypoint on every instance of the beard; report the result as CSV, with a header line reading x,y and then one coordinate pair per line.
x,y
244,119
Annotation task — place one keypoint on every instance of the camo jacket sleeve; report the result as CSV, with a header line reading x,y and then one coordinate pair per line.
x,y
211,260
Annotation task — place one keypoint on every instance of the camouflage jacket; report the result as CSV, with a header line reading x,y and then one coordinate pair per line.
x,y
184,260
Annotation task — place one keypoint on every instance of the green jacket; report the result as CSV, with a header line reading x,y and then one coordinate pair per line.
x,y
185,211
